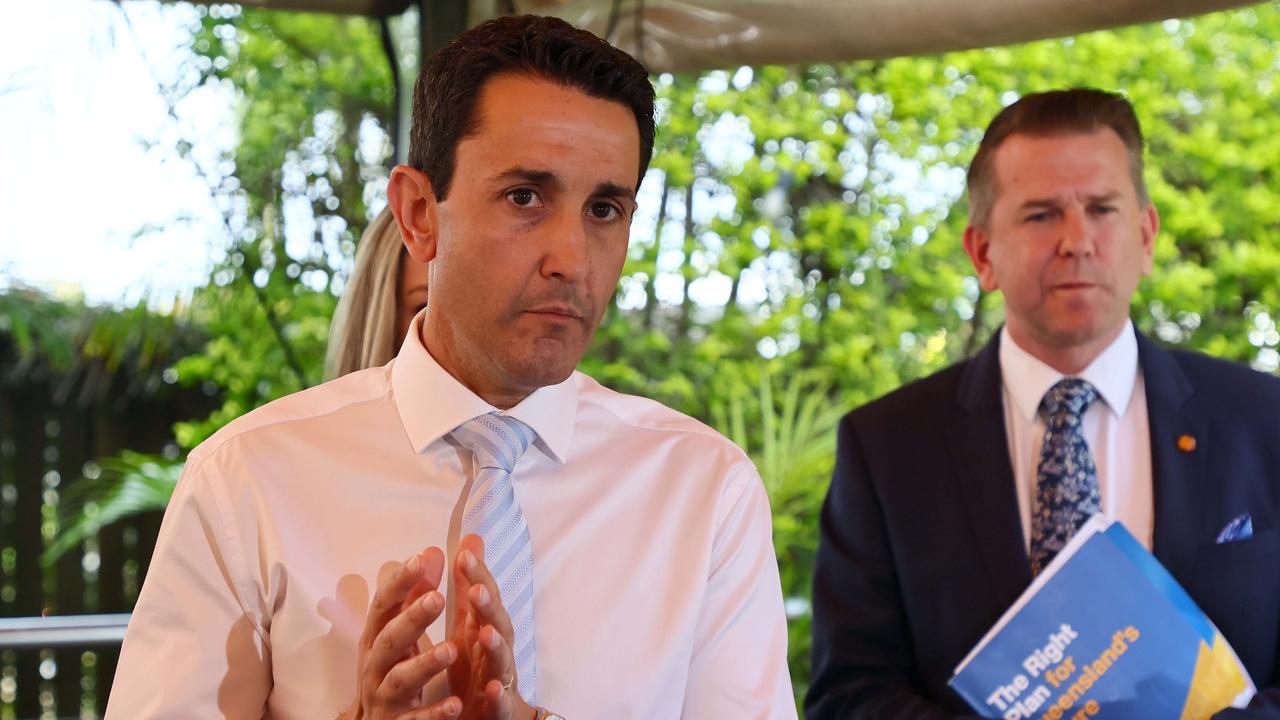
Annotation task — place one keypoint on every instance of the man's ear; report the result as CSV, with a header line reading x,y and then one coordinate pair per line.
x,y
977,245
414,204
1150,228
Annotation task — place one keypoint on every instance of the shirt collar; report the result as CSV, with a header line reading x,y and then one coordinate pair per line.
x,y
1113,373
431,402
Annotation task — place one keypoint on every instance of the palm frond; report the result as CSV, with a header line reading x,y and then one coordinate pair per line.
x,y
792,437
127,484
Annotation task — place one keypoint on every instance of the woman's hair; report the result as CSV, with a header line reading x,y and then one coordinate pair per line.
x,y
363,332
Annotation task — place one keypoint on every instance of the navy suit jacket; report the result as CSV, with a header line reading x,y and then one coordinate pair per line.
x,y
922,547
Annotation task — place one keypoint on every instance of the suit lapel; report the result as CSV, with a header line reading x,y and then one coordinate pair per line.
x,y
980,453
1177,474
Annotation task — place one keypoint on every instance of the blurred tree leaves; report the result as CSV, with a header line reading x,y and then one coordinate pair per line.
x,y
79,349
125,485
313,98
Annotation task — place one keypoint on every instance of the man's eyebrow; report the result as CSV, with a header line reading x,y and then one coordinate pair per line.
x,y
1105,197
615,190
545,178
1052,203
549,179
1038,204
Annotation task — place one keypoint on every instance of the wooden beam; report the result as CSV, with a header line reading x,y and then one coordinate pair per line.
x,y
372,8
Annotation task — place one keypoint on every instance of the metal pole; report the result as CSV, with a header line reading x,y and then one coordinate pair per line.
x,y
442,21
62,630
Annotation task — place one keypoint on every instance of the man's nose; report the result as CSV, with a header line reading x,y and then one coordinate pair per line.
x,y
1076,233
566,247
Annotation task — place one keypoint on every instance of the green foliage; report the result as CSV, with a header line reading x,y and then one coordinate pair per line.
x,y
798,250
790,436
128,484
83,348
93,354
245,357
313,90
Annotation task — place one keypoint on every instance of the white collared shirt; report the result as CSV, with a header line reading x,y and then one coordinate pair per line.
x,y
656,589
1115,427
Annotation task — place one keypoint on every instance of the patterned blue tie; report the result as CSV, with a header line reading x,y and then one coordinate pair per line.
x,y
493,513
1067,480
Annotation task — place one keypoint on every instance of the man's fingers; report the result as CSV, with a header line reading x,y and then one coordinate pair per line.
x,y
499,662
404,682
497,672
490,611
447,709
499,703
460,672
399,637
483,594
392,595
470,543
433,563
465,629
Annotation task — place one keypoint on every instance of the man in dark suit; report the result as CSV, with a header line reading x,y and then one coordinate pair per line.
x,y
949,494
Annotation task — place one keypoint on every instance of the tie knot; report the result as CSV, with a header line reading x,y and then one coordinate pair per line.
x,y
498,441
1069,398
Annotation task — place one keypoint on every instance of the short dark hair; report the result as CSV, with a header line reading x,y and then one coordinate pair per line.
x,y
545,48
1058,112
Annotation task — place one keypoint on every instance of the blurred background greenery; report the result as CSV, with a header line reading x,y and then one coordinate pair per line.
x,y
797,251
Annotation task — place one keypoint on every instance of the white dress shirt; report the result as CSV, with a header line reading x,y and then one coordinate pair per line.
x,y
656,589
1115,427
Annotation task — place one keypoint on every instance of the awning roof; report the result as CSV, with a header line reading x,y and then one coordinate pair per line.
x,y
696,34
687,35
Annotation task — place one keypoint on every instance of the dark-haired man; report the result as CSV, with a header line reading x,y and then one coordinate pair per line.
x,y
606,557
951,493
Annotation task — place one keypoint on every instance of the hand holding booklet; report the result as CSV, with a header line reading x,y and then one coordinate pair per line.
x,y
1104,632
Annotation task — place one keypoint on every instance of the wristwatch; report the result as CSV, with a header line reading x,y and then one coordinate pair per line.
x,y
545,714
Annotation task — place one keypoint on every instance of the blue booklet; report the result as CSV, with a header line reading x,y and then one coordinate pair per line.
x,y
1104,632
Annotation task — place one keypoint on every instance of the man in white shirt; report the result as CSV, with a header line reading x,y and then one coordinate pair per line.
x,y
951,493
606,557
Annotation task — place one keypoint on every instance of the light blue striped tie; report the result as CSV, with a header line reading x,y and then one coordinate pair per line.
x,y
493,513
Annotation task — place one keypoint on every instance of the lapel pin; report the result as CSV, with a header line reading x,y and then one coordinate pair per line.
x,y
1186,443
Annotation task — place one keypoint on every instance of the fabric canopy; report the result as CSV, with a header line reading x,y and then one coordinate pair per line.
x,y
696,34
675,35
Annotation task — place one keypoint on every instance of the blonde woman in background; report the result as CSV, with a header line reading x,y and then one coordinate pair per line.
x,y
385,290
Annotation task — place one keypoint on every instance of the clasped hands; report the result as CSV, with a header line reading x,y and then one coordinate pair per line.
x,y
478,659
